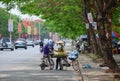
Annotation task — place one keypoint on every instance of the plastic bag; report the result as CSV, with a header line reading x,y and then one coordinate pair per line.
x,y
73,55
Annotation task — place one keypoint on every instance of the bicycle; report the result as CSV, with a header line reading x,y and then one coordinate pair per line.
x,y
73,57
75,65
45,63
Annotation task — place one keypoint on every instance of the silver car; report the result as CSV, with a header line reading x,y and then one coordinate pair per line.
x,y
30,42
20,43
6,43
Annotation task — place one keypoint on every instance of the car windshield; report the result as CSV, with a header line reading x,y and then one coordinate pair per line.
x,y
29,39
20,39
6,40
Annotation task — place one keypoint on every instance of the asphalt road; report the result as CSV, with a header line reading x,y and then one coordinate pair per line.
x,y
22,65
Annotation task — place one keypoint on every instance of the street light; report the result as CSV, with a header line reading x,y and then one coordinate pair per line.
x,y
10,26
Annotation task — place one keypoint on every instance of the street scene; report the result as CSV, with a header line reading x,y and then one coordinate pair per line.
x,y
59,40
23,65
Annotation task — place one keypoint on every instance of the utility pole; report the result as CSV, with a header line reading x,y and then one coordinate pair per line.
x,y
19,23
10,26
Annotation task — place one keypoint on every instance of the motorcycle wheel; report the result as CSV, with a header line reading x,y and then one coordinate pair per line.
x,y
42,66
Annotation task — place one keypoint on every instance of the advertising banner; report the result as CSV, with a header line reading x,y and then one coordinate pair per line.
x,y
90,18
87,25
19,28
10,25
94,24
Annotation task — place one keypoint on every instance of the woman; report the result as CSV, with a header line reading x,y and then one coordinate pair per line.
x,y
58,60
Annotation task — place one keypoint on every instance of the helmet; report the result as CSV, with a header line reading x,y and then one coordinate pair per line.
x,y
46,43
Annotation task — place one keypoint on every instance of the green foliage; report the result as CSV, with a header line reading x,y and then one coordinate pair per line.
x,y
116,19
9,4
4,22
43,30
15,26
116,16
6,1
4,16
63,17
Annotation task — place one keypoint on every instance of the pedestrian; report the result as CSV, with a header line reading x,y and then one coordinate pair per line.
x,y
41,45
59,58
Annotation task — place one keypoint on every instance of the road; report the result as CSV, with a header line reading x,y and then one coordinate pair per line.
x,y
22,65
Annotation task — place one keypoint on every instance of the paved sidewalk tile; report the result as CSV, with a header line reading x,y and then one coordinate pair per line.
x,y
95,73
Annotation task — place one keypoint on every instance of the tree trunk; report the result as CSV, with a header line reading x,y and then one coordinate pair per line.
x,y
93,40
92,37
101,9
106,44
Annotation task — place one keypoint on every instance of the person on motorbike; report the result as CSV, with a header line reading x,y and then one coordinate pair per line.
x,y
51,45
46,52
41,43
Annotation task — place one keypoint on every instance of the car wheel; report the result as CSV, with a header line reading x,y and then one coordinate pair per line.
x,y
25,47
12,49
33,46
1,49
15,47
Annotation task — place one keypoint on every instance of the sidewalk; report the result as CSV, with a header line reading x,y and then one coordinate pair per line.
x,y
95,73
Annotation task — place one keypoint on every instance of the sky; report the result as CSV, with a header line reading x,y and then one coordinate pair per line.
x,y
15,11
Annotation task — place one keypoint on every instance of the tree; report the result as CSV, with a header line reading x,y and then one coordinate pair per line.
x,y
65,18
102,11
4,17
4,22
115,21
61,15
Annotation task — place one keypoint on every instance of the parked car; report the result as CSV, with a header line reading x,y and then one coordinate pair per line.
x,y
6,43
30,42
20,43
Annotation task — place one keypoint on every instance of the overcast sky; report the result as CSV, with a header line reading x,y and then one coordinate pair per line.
x,y
17,12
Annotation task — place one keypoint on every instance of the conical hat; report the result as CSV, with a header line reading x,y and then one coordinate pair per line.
x,y
59,41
